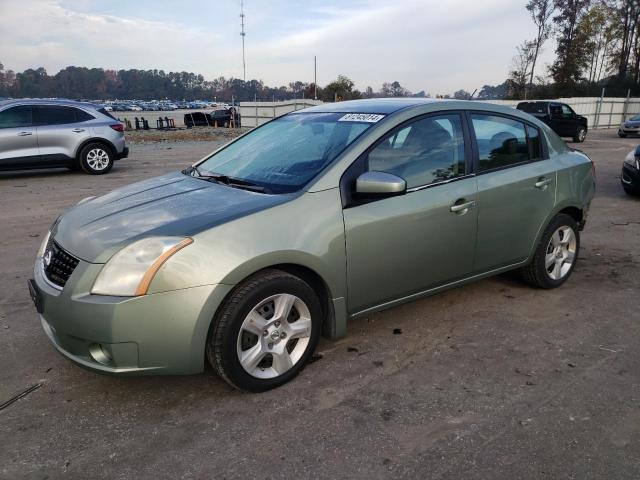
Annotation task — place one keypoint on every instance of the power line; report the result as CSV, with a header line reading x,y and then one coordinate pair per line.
x,y
242,34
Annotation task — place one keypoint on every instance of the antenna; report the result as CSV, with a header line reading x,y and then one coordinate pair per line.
x,y
242,34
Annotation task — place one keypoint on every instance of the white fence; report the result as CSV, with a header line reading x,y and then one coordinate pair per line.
x,y
254,114
606,112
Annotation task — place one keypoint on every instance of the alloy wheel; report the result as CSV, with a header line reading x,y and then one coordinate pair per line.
x,y
561,253
274,336
98,159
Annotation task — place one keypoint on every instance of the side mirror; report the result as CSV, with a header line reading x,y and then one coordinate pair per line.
x,y
380,183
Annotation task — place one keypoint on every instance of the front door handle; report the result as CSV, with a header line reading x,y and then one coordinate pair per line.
x,y
78,130
543,182
461,208
25,134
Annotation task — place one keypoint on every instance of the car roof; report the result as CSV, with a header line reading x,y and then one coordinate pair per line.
x,y
389,106
48,101
371,105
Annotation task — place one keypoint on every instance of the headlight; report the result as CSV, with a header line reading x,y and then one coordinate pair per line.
x,y
632,160
43,245
130,271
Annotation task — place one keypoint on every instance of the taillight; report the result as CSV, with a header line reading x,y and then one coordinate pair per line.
x,y
118,127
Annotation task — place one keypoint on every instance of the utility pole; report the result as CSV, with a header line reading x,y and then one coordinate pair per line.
x,y
315,78
242,34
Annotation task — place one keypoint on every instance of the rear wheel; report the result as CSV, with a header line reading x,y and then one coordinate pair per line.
x,y
96,159
580,135
556,254
265,332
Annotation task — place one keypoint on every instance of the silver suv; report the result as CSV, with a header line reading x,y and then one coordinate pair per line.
x,y
59,133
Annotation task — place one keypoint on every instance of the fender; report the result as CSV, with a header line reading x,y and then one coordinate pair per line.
x,y
76,154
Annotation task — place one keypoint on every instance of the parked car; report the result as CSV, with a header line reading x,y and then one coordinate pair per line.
x,y
560,117
630,176
220,117
57,133
321,215
630,127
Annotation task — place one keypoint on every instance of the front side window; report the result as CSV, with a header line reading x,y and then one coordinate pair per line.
x,y
55,115
502,142
286,153
423,152
14,117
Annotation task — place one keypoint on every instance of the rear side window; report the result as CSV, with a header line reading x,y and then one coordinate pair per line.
x,y
82,116
59,115
535,108
104,112
502,142
20,116
535,147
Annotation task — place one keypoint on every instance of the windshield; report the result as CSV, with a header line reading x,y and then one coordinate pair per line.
x,y
635,118
286,153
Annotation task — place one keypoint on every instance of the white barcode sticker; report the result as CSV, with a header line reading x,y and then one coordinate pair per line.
x,y
361,117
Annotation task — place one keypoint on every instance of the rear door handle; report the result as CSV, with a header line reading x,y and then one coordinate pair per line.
x,y
78,130
462,207
25,134
543,182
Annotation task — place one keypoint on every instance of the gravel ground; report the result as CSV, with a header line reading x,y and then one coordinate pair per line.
x,y
197,134
492,380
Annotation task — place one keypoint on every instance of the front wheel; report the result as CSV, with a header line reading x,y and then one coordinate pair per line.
x,y
265,332
634,192
556,254
622,135
580,135
96,159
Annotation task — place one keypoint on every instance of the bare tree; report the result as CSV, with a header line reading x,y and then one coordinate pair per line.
x,y
521,68
540,11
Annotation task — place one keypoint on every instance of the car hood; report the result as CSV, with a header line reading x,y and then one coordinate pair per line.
x,y
631,124
171,205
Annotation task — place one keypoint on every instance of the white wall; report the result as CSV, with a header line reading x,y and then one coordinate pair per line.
x,y
254,114
608,112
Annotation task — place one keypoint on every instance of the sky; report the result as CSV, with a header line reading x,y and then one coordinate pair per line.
x,y
434,45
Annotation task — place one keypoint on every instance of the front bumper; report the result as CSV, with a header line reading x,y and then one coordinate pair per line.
x,y
162,333
629,130
630,176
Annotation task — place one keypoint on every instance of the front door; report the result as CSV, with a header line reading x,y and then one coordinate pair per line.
x,y
18,138
406,244
516,189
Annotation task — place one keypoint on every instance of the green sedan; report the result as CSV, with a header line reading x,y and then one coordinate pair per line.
x,y
246,258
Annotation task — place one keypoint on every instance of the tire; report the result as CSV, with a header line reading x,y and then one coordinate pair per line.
x,y
580,135
548,269
96,158
622,135
247,325
634,192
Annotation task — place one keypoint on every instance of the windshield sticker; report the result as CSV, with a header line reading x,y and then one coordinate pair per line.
x,y
361,117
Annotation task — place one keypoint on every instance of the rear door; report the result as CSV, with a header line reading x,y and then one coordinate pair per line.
x,y
516,188
61,129
406,244
18,138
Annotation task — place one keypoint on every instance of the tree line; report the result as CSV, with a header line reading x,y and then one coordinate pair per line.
x,y
101,84
597,46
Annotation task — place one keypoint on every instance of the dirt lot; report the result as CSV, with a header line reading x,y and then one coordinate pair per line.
x,y
493,380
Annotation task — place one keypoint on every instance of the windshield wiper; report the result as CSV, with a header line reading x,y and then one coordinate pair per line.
x,y
226,180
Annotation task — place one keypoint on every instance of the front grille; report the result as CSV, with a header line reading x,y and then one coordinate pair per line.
x,y
58,265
